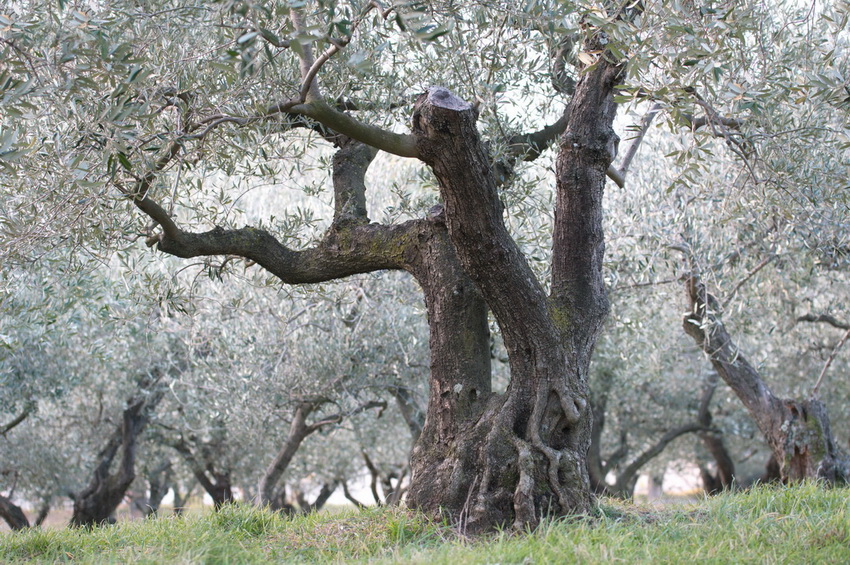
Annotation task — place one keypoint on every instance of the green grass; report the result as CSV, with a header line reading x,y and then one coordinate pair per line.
x,y
803,524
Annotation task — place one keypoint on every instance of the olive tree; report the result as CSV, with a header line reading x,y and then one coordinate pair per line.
x,y
172,106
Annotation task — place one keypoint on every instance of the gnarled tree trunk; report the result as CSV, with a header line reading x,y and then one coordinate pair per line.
x,y
96,503
486,459
203,460
797,431
299,430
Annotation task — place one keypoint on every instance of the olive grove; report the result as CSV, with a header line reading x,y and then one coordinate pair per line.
x,y
128,124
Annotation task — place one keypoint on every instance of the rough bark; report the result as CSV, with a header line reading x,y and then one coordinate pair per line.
x,y
459,378
96,503
516,457
797,431
12,514
483,459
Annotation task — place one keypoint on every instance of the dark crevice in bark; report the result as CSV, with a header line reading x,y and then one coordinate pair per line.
x,y
97,502
797,431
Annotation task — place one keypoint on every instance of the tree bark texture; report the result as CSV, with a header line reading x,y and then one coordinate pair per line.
x,y
512,459
12,514
797,431
96,503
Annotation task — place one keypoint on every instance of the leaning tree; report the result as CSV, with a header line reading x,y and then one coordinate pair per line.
x,y
182,109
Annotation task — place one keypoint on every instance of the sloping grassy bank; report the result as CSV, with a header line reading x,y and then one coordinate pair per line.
x,y
803,524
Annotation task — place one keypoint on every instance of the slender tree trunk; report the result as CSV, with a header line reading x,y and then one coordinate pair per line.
x,y
96,503
12,514
43,511
307,507
221,490
797,431
181,499
159,483
724,477
298,432
203,458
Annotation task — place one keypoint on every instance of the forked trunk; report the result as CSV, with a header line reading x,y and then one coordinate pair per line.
x,y
486,459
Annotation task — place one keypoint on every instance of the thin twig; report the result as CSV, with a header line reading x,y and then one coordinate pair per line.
x,y
336,46
14,423
825,318
829,362
645,122
750,275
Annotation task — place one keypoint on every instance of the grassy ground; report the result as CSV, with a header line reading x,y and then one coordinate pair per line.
x,y
803,524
